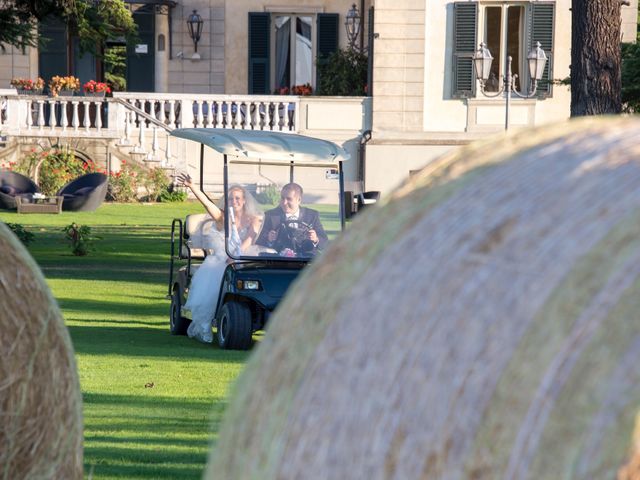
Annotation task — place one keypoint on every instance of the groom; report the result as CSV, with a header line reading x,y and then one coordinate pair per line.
x,y
274,234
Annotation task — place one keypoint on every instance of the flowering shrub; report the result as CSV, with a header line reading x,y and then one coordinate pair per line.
x,y
53,168
63,83
96,87
124,184
28,84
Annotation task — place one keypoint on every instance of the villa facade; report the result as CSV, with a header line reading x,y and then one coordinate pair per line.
x,y
424,97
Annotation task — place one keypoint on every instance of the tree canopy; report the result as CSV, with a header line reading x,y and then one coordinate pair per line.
x,y
92,21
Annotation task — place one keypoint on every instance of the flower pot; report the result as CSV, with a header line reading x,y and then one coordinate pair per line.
x,y
65,93
22,91
94,94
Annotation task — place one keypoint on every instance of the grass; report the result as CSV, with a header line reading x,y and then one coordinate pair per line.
x,y
152,401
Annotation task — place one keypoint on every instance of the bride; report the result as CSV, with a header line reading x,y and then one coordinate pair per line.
x,y
245,223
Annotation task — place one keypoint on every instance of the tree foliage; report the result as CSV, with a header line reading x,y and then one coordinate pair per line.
x,y
631,77
344,72
631,74
92,21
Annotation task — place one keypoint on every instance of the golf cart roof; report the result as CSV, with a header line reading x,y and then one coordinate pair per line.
x,y
266,145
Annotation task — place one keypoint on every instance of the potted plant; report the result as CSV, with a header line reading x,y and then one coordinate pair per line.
x,y
305,89
64,86
96,89
26,86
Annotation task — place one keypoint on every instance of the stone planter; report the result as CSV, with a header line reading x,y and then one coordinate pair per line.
x,y
22,91
94,94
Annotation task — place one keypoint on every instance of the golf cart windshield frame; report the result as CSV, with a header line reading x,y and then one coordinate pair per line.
x,y
258,147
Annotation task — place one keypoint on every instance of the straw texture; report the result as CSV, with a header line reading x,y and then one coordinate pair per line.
x,y
481,323
40,401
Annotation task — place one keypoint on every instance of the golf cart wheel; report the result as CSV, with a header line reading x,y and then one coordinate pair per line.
x,y
234,326
177,323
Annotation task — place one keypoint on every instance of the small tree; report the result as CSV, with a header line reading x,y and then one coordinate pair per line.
x,y
344,72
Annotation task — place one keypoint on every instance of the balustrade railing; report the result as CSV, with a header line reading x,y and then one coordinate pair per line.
x,y
218,111
95,116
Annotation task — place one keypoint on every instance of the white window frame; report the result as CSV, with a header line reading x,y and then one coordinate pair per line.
x,y
302,12
523,79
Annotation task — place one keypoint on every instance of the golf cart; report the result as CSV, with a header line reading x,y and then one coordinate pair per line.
x,y
255,280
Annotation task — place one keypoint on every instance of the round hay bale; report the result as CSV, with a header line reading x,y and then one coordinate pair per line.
x,y
40,401
481,323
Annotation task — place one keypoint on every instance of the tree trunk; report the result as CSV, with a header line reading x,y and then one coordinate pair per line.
x,y
595,57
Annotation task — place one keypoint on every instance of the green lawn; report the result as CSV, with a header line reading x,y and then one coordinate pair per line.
x,y
152,401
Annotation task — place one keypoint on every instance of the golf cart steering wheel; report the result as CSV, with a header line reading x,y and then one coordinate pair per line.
x,y
297,232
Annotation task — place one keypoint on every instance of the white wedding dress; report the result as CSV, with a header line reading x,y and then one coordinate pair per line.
x,y
205,283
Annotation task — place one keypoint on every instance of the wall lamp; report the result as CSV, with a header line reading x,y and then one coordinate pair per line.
x,y
352,24
194,24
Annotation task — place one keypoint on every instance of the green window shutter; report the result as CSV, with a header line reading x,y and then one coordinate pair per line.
x,y
465,43
327,38
542,21
259,34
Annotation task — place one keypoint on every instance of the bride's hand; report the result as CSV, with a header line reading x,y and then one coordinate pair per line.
x,y
184,179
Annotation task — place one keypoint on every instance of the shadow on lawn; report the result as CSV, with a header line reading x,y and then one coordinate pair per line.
x,y
156,437
102,270
147,342
105,310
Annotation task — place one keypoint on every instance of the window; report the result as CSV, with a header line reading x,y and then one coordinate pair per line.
x,y
292,51
508,29
283,48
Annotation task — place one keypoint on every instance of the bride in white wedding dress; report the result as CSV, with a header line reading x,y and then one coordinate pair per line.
x,y
246,220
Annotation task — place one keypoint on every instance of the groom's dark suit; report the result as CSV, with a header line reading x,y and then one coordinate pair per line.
x,y
273,219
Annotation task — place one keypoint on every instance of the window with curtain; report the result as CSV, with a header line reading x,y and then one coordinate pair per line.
x,y
283,48
508,29
293,50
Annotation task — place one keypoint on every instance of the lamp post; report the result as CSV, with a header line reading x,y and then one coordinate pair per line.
x,y
482,60
352,24
194,24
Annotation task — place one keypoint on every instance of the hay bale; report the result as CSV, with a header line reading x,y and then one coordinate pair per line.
x,y
40,401
481,323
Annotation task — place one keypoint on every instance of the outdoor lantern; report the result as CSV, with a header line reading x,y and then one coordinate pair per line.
x,y
537,60
352,24
482,60
194,23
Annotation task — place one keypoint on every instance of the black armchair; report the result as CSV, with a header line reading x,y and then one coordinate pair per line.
x,y
12,185
85,193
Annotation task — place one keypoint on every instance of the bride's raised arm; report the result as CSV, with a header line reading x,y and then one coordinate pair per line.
x,y
212,208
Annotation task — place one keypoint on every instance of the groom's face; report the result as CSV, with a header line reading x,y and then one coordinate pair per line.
x,y
290,201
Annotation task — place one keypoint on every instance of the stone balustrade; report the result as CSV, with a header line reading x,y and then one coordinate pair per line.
x,y
135,125
67,116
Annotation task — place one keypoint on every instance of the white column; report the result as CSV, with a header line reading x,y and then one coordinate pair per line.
x,y
162,56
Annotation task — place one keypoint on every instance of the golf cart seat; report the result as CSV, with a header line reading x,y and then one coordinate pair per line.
x,y
192,239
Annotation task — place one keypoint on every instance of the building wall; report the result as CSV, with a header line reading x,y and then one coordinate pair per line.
x,y
206,74
415,118
16,63
236,34
223,63
399,61
630,21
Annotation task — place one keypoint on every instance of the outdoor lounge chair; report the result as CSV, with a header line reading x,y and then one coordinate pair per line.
x,y
13,184
85,193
